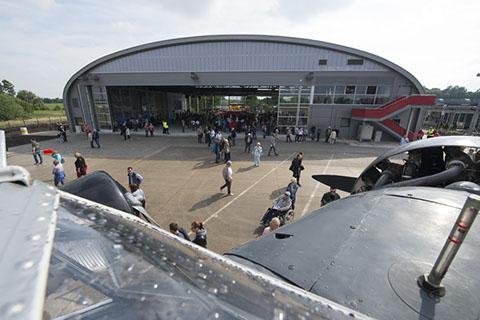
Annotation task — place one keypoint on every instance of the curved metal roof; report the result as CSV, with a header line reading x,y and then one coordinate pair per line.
x,y
258,38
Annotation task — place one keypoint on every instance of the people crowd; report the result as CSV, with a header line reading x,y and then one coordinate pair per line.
x,y
219,132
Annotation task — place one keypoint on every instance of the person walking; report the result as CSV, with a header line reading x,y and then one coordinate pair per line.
x,y
293,188
63,132
127,133
233,135
226,149
133,178
96,138
329,196
248,142
80,165
147,129
296,167
273,142
289,135
217,139
151,129
58,173
199,134
200,234
333,137
227,174
257,153
264,130
57,156
36,152
328,131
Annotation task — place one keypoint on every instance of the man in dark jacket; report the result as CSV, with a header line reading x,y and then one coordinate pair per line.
x,y
133,178
330,196
296,167
96,138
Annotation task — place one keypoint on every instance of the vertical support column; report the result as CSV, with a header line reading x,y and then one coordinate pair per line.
x,y
278,106
3,150
82,105
298,106
473,125
312,92
409,123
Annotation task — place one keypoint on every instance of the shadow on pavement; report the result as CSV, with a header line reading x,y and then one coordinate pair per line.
x,y
208,201
240,170
206,164
276,193
258,231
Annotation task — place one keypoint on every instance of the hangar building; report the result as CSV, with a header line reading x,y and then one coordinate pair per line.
x,y
316,83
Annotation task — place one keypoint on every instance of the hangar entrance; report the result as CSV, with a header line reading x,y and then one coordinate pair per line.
x,y
114,104
120,103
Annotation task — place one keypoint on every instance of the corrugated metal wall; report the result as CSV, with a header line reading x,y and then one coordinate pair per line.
x,y
225,56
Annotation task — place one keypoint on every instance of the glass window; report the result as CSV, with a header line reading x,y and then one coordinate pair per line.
x,y
355,61
287,112
322,62
339,89
350,90
381,100
462,117
75,103
364,99
290,121
371,89
455,118
288,99
468,121
384,90
322,99
361,90
343,99
324,89
305,99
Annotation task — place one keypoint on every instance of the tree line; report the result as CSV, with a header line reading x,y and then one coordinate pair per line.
x,y
21,104
454,92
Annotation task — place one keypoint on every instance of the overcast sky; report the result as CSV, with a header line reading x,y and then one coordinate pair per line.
x,y
43,42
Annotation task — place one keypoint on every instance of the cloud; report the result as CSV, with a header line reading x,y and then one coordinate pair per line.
x,y
45,42
299,10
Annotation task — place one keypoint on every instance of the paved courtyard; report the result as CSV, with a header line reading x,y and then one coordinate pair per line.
x,y
182,181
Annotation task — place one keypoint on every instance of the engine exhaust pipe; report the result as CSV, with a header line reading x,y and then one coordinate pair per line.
x,y
432,282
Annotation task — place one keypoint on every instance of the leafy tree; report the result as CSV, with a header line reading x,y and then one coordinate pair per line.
x,y
27,96
7,87
52,100
11,107
38,104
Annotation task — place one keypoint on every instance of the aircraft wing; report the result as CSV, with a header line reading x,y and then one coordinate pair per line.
x,y
66,257
28,220
367,250
343,183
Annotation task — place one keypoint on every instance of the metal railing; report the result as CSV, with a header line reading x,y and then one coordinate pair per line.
x,y
32,122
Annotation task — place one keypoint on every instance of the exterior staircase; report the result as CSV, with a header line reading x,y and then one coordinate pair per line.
x,y
382,116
